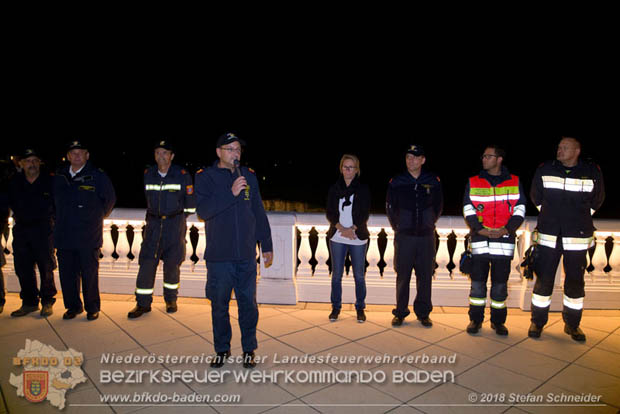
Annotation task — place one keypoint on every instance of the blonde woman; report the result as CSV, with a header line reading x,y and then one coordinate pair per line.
x,y
348,209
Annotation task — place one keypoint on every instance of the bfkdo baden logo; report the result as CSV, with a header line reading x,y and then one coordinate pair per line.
x,y
47,373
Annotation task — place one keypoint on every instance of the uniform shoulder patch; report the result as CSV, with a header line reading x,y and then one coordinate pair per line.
x,y
438,180
183,171
252,171
200,171
146,170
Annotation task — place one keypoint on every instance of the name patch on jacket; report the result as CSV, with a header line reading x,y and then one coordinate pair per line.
x,y
87,188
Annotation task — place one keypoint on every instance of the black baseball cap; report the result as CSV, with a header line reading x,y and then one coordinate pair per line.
x,y
165,144
416,150
227,139
76,144
29,152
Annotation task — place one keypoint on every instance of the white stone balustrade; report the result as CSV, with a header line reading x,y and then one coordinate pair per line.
x,y
287,282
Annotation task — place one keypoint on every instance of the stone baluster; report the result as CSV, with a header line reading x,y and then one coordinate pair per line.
x,y
443,255
373,255
202,244
137,239
322,252
108,245
8,242
305,252
458,251
122,245
388,255
599,259
614,259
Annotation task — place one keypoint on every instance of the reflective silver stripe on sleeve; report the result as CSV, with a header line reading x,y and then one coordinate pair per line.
x,y
469,210
519,211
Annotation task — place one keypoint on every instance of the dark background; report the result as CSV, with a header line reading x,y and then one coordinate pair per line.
x,y
299,116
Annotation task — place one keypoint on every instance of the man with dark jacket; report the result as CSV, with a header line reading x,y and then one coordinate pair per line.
x,y
567,192
414,204
5,173
83,197
229,201
32,203
494,208
170,199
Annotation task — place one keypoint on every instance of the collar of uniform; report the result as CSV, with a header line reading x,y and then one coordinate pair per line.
x,y
503,175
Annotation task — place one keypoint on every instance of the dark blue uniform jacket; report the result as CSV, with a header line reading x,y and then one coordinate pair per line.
x,y
32,204
169,195
414,205
233,224
81,204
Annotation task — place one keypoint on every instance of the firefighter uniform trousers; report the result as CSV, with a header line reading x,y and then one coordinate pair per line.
x,y
414,253
500,270
164,239
574,285
34,245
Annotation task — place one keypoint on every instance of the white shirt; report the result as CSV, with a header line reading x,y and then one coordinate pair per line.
x,y
73,174
163,175
346,220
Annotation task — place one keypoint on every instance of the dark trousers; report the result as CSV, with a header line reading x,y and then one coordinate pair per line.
x,y
79,266
163,240
574,285
414,253
358,262
2,293
34,246
500,270
222,279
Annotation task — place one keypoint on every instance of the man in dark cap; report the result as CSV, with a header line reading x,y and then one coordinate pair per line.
x,y
32,203
414,203
83,197
170,199
229,201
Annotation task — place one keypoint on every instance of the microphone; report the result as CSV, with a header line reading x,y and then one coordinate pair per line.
x,y
236,163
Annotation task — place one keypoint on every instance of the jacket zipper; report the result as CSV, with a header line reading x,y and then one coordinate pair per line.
x,y
161,220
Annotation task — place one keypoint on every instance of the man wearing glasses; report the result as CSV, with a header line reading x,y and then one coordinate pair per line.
x,y
229,201
414,203
494,208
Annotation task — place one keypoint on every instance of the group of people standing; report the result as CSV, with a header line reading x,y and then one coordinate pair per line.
x,y
567,191
65,211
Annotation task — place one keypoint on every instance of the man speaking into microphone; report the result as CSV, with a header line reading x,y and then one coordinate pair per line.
x,y
229,201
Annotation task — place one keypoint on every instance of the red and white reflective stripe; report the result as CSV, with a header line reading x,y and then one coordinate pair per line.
x,y
576,243
493,248
469,210
519,211
541,301
568,184
501,249
573,303
491,198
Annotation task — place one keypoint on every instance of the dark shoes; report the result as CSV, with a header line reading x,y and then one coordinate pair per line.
x,y
534,331
361,316
473,327
249,360
72,313
138,311
47,310
575,333
171,307
499,328
334,315
91,316
426,321
219,360
397,321
24,310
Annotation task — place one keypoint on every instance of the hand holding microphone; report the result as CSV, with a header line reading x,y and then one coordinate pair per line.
x,y
240,183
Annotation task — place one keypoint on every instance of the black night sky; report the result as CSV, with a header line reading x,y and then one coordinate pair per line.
x,y
298,122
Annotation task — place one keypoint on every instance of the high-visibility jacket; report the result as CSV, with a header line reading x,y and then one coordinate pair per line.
x,y
494,202
567,198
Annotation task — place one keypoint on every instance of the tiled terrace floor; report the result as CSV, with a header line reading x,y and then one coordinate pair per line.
x,y
487,367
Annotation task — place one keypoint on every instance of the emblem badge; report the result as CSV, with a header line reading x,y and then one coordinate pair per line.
x,y
36,385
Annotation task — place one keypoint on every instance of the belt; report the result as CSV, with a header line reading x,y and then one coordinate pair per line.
x,y
163,217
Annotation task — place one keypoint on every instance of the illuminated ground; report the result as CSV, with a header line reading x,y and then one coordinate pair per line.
x,y
487,367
